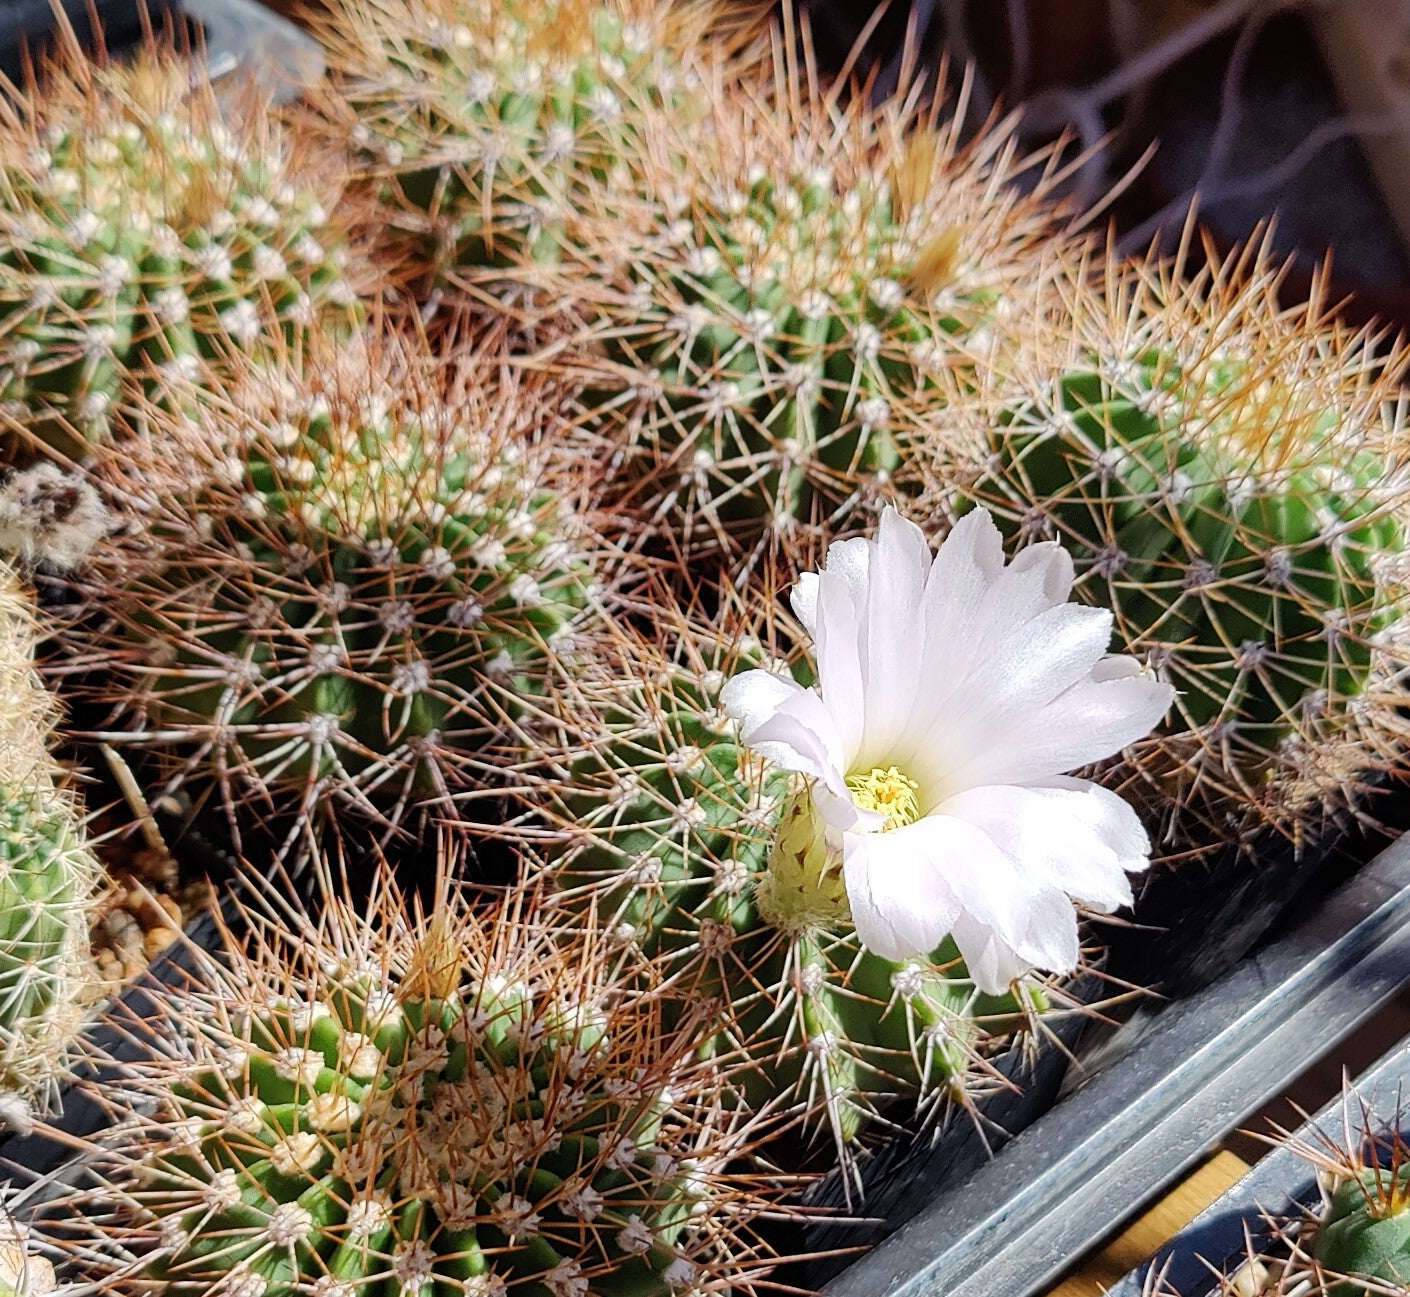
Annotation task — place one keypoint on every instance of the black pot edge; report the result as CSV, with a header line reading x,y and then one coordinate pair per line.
x,y
43,1152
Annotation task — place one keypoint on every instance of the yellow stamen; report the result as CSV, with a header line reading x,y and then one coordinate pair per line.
x,y
889,793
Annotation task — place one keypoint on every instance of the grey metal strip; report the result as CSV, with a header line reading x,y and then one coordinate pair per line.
x,y
243,36
1205,1064
1277,1183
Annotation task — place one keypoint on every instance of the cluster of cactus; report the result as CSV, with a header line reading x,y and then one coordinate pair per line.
x,y
677,843
144,229
351,571
48,874
1225,476
770,297
406,1104
479,124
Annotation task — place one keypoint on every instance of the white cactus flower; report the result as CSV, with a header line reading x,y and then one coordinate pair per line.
x,y
953,693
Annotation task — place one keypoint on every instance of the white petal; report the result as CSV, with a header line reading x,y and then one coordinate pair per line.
x,y
804,598
967,564
1108,815
838,653
1116,667
1040,660
1058,838
788,725
850,561
893,634
1051,564
1086,723
990,961
1049,941
901,905
752,697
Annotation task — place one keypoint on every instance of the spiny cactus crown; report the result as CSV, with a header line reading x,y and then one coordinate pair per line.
x,y
1224,477
771,295
450,1102
141,228
346,584
486,118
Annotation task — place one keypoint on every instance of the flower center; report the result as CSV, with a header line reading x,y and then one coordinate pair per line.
x,y
888,793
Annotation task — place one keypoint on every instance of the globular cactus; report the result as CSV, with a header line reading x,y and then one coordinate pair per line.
x,y
476,125
1349,1238
339,586
1365,1234
142,227
677,844
48,875
770,295
389,1102
1230,478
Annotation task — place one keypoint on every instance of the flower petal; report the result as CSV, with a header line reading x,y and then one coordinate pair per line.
x,y
990,961
838,653
1108,815
967,564
1058,838
788,725
1040,660
1049,941
892,635
1085,723
804,598
902,907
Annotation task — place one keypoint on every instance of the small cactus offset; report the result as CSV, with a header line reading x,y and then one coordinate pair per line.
x,y
680,846
1229,477
145,228
477,125
1351,1238
400,1103
340,586
770,295
48,874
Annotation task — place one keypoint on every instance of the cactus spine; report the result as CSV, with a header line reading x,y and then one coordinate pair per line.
x,y
48,875
143,228
350,573
398,1103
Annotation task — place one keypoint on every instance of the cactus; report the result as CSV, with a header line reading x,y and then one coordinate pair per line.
x,y
48,875
386,1102
345,579
1349,1239
476,125
1366,1232
679,846
769,296
1223,473
143,227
